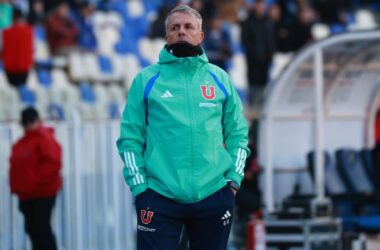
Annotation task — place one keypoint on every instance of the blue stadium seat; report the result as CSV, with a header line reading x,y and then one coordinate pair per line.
x,y
370,224
113,109
152,5
56,112
27,96
39,33
367,159
105,64
334,184
334,188
337,28
141,27
127,43
44,77
87,92
351,169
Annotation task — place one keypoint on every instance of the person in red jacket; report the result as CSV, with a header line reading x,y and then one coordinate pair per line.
x,y
18,49
62,31
35,165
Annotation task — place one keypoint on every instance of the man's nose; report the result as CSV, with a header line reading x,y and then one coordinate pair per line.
x,y
181,30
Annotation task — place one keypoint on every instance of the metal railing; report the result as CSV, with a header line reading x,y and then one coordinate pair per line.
x,y
94,210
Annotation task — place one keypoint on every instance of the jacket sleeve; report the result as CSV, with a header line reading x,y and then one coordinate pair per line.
x,y
132,138
235,132
50,153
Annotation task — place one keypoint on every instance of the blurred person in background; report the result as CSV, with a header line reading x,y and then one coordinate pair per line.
x,y
302,27
5,14
37,13
84,21
217,43
62,32
258,39
49,5
35,165
157,27
282,29
183,140
330,11
17,50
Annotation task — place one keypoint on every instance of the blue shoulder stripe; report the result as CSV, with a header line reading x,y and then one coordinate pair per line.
x,y
149,86
147,90
220,85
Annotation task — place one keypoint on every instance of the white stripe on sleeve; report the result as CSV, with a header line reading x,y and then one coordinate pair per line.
x,y
130,163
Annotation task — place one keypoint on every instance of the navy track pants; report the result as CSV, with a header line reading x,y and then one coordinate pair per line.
x,y
160,221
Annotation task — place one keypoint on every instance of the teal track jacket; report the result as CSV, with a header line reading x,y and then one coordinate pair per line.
x,y
182,132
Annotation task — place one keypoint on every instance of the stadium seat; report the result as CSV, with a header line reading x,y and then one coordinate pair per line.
x,y
26,95
105,64
334,184
102,101
44,77
238,73
41,48
320,31
145,46
59,78
107,25
134,67
337,28
113,18
368,224
366,155
119,66
135,9
76,67
117,94
351,168
91,66
10,104
88,99
363,20
152,5
67,97
87,92
280,60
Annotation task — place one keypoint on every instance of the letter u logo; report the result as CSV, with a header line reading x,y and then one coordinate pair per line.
x,y
146,218
208,92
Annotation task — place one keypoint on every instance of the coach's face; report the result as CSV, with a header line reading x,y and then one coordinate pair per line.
x,y
183,27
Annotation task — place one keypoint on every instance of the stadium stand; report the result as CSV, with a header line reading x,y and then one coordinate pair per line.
x,y
82,96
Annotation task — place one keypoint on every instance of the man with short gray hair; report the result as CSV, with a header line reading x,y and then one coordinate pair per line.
x,y
183,140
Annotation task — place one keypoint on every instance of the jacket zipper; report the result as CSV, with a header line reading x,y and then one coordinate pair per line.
x,y
191,118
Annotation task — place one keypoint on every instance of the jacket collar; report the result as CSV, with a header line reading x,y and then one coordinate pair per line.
x,y
168,58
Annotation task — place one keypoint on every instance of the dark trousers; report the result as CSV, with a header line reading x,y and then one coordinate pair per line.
x,y
17,79
207,223
37,214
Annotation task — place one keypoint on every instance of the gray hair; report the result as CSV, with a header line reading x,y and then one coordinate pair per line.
x,y
185,9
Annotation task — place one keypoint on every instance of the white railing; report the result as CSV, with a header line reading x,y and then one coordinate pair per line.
x,y
95,208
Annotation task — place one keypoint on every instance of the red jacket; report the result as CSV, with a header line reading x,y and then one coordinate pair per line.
x,y
35,165
61,32
18,48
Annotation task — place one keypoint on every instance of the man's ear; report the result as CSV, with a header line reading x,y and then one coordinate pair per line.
x,y
202,36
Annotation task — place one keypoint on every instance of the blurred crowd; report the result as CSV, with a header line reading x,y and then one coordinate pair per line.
x,y
265,27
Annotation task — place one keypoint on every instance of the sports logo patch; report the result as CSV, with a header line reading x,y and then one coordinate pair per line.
x,y
146,218
208,91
